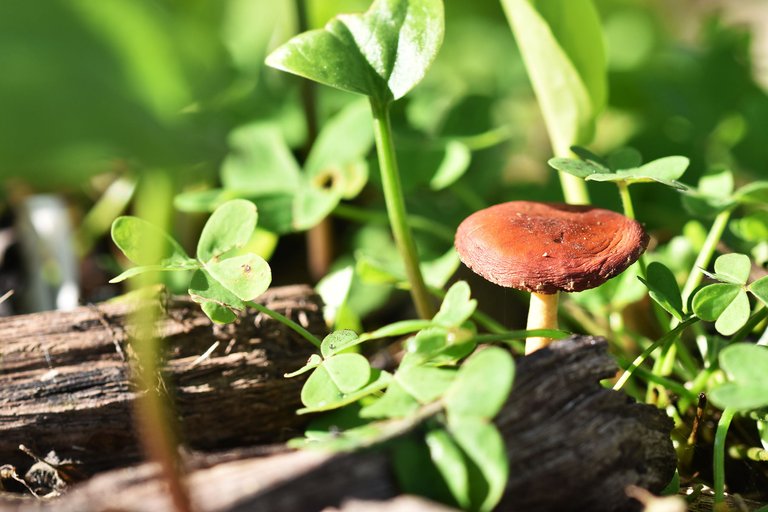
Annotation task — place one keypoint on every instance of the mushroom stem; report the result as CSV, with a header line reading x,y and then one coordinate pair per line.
x,y
542,314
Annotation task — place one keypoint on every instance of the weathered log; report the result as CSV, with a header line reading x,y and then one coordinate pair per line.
x,y
572,445
66,385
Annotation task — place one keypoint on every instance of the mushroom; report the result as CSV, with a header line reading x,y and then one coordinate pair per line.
x,y
544,248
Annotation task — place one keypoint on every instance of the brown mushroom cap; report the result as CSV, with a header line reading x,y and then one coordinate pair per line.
x,y
547,247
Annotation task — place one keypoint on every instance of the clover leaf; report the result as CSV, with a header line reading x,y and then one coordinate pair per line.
x,y
726,303
663,289
624,167
222,281
747,388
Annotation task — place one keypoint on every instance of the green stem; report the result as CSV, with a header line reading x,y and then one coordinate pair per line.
x,y
286,322
626,199
718,465
705,254
665,340
574,188
393,196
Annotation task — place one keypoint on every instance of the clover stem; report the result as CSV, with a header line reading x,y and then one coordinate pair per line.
x,y
286,322
393,196
718,462
542,314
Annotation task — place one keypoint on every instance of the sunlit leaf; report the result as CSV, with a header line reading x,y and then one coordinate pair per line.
x,y
326,401
229,226
349,372
733,268
382,53
711,301
313,362
204,288
735,315
457,306
338,341
218,313
247,276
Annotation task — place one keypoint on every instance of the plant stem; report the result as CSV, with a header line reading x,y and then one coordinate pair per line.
x,y
152,418
705,254
286,322
718,463
667,339
393,196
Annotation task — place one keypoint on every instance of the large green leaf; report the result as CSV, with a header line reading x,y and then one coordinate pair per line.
x,y
562,45
382,53
482,384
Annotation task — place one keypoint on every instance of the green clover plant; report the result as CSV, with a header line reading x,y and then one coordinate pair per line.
x,y
382,54
438,384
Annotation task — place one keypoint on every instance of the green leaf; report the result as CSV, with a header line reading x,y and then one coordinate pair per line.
x,y
203,200
325,401
395,403
482,384
135,271
229,227
562,45
338,341
578,168
453,166
735,315
425,383
624,158
313,362
204,288
218,313
747,389
711,301
663,288
457,306
397,329
483,444
753,193
145,244
759,289
449,460
733,268
247,276
382,53
349,372
319,390
712,195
